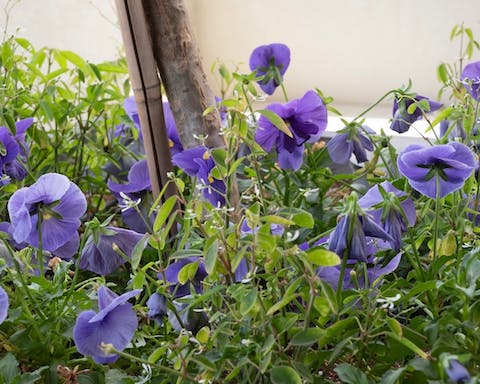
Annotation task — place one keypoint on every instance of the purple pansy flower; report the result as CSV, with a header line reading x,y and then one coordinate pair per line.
x,y
137,190
402,120
448,165
470,78
306,119
61,204
348,141
198,162
457,372
115,324
386,208
171,275
3,305
270,61
98,254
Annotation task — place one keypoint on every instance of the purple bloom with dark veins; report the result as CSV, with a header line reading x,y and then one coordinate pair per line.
x,y
137,189
348,141
3,305
270,61
98,254
60,204
198,162
402,120
390,207
306,119
115,323
171,275
457,372
447,166
470,78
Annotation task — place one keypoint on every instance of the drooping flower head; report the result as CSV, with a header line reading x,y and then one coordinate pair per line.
x,y
100,255
403,117
115,323
137,191
348,141
470,78
198,162
391,208
197,274
447,166
270,61
306,119
54,199
3,305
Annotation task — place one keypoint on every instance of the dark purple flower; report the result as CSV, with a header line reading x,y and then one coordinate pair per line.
x,y
457,372
384,204
115,324
138,191
270,61
402,120
470,78
198,162
59,201
275,229
172,271
448,165
3,305
348,141
306,118
9,148
100,256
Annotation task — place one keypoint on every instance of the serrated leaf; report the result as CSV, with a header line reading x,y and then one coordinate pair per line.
x,y
282,374
322,257
276,120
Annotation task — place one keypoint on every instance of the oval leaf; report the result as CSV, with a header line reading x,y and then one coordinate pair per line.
x,y
282,374
276,120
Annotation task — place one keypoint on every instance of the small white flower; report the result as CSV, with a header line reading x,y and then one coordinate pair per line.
x,y
388,302
127,202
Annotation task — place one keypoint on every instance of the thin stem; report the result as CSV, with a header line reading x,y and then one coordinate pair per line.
x,y
437,219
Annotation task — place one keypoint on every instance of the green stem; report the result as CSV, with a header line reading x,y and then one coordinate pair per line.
x,y
437,219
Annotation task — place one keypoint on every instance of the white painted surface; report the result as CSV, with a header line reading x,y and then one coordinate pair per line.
x,y
354,50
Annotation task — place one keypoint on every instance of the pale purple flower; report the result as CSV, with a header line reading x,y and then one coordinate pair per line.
x,y
115,323
447,165
402,119
171,275
457,372
198,162
98,254
270,61
348,141
61,204
470,78
306,119
3,305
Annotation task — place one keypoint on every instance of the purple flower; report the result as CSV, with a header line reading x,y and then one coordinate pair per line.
x,y
99,255
348,141
306,119
447,165
172,271
115,324
270,61
470,78
457,372
137,190
385,206
402,119
198,162
275,229
3,305
59,201
453,128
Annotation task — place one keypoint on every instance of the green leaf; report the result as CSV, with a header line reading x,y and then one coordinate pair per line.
x,y
322,257
282,374
351,375
409,344
442,73
9,368
75,59
273,219
157,354
392,376
337,329
282,303
276,120
307,336
211,257
164,212
187,272
248,302
395,326
138,251
112,67
300,217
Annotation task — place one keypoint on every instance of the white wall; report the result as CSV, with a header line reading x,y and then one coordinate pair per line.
x,y
354,50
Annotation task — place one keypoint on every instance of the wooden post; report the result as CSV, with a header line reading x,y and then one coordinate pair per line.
x,y
179,63
146,87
